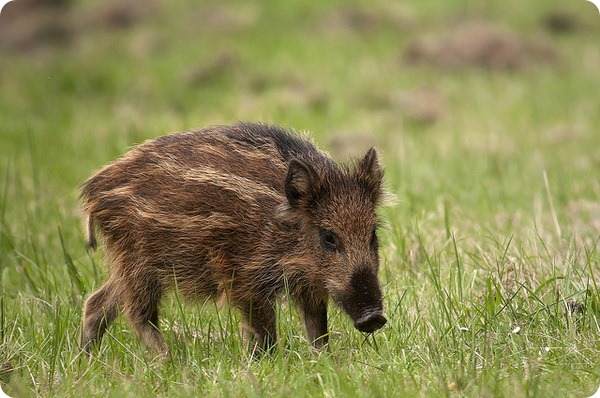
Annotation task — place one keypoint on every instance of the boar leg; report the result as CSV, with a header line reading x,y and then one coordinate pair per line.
x,y
141,308
101,309
315,320
259,319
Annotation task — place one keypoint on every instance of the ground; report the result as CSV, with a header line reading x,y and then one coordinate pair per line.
x,y
486,118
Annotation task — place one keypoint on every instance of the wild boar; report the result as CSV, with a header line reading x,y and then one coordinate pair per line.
x,y
242,212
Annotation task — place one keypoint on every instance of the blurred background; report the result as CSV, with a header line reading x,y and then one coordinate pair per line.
x,y
105,75
468,101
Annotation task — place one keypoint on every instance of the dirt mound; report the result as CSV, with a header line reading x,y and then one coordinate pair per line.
x,y
27,25
423,105
559,21
224,18
354,20
477,43
117,14
220,65
345,145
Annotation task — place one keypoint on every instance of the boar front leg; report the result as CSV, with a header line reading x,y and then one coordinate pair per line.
x,y
315,320
259,316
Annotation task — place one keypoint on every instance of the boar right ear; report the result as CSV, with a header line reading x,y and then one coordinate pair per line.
x,y
301,182
370,174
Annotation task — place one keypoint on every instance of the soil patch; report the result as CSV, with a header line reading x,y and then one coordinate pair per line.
x,y
27,25
361,20
478,43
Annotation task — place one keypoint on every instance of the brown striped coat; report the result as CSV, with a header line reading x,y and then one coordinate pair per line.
x,y
238,212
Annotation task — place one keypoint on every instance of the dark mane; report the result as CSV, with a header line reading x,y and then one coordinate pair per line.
x,y
287,142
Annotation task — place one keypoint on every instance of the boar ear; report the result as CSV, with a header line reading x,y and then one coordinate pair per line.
x,y
370,174
301,182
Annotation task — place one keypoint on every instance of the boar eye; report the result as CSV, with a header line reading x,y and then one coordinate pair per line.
x,y
329,240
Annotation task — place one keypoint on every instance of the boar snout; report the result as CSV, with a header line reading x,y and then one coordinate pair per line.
x,y
370,323
362,300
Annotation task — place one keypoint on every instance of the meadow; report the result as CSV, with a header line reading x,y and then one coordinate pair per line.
x,y
486,116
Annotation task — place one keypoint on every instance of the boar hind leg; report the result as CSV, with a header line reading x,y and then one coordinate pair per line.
x,y
100,310
259,319
315,320
141,308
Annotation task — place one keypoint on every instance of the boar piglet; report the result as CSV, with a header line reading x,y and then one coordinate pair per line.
x,y
240,213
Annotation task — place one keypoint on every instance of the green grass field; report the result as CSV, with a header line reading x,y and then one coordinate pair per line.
x,y
490,259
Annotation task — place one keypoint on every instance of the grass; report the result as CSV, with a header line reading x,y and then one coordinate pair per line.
x,y
490,256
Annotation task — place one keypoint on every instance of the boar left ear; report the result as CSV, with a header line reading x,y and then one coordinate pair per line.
x,y
301,183
370,174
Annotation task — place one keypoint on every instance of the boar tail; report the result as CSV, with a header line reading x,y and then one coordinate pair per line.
x,y
91,241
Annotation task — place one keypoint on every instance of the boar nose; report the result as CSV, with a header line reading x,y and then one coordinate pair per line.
x,y
370,323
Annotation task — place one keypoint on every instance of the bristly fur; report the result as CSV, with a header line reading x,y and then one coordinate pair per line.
x,y
237,211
